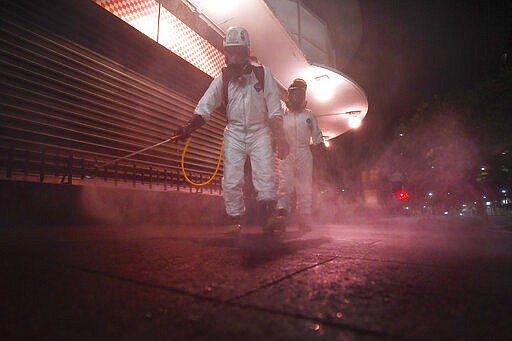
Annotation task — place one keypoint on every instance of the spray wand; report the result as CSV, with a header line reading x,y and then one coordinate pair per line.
x,y
175,139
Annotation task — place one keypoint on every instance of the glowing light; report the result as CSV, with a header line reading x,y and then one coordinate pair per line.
x,y
487,203
218,6
322,87
315,326
322,82
148,26
354,122
327,143
402,195
172,33
445,212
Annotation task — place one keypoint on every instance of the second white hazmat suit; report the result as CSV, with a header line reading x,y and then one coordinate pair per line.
x,y
296,170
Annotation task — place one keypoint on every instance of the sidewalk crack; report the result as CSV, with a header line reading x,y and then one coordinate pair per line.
x,y
269,284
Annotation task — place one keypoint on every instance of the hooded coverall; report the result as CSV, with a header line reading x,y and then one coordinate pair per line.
x,y
296,170
247,133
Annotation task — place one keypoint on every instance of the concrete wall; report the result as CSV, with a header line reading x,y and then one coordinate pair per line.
x,y
37,204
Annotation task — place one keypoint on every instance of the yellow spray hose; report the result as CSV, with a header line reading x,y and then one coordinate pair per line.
x,y
185,173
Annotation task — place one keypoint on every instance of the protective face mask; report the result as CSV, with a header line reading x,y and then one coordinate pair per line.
x,y
236,55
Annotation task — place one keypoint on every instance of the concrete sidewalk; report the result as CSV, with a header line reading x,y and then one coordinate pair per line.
x,y
375,280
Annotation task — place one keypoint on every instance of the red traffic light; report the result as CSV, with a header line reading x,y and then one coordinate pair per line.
x,y
402,195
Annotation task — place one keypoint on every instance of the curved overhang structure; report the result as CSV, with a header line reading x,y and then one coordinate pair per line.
x,y
337,101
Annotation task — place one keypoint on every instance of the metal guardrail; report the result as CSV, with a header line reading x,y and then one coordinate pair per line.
x,y
47,166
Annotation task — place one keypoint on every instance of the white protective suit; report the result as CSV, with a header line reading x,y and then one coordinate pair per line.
x,y
296,170
247,134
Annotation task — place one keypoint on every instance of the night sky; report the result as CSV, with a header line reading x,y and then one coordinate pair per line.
x,y
412,50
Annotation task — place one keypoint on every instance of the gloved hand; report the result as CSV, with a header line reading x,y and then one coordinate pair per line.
x,y
283,149
184,132
318,148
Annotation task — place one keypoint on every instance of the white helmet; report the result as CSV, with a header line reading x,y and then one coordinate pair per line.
x,y
236,45
236,36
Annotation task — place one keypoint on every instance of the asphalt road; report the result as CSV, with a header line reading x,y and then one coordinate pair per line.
x,y
385,279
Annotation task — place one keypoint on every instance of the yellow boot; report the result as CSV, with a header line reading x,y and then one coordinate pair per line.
x,y
234,225
272,222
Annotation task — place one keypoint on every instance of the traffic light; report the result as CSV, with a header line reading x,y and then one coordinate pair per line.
x,y
402,194
398,190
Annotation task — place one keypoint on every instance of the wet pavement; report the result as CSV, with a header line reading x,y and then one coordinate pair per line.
x,y
381,279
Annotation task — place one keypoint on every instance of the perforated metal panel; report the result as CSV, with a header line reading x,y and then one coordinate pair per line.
x,y
152,19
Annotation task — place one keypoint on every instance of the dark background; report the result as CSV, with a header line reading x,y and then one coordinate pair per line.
x,y
412,50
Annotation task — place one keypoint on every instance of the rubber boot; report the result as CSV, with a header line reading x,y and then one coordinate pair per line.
x,y
304,222
271,222
282,213
234,225
281,218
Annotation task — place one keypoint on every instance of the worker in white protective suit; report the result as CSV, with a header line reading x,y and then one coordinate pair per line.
x,y
296,170
254,116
